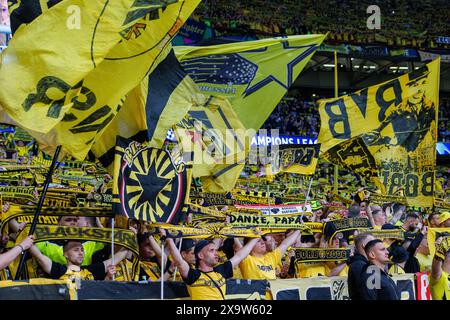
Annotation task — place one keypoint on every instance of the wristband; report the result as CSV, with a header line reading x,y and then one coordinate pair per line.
x,y
20,247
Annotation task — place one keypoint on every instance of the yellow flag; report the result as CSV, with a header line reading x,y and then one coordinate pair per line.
x,y
77,78
433,234
387,133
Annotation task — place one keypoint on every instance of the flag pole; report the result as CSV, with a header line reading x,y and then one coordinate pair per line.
x,y
176,268
336,169
307,196
48,179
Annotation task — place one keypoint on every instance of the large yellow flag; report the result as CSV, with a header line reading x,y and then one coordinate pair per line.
x,y
75,78
252,75
387,133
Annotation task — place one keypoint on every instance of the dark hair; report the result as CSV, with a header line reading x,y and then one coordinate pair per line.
x,y
370,245
141,237
227,247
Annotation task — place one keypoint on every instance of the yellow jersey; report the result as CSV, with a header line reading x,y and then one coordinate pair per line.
x,y
261,268
310,269
425,262
440,289
395,269
150,270
124,271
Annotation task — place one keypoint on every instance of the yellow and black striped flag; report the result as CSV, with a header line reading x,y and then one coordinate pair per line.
x,y
148,184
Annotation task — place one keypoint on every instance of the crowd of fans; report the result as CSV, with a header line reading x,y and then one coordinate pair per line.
x,y
270,256
402,22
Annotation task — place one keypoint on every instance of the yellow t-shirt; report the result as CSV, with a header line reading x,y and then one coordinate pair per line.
x,y
261,267
424,261
440,289
149,269
310,269
331,266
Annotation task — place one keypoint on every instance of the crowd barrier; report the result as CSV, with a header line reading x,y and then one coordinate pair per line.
x,y
409,286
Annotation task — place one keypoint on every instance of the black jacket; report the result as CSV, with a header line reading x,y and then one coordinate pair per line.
x,y
412,265
357,265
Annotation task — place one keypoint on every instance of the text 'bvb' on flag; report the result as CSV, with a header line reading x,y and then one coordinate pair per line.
x,y
387,133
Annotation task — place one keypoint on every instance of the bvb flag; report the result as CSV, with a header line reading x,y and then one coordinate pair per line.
x,y
300,159
116,44
252,75
387,133
149,184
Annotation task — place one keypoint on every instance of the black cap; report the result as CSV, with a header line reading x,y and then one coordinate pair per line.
x,y
200,245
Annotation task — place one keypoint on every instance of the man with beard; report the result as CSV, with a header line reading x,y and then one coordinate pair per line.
x,y
208,280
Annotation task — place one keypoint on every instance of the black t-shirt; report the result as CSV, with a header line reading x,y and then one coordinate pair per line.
x,y
225,269
91,272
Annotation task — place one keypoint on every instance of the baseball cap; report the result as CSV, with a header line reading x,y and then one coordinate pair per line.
x,y
445,215
200,245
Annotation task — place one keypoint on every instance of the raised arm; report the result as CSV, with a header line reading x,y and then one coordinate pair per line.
x,y
436,265
397,215
118,256
243,252
290,240
9,256
369,214
178,260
